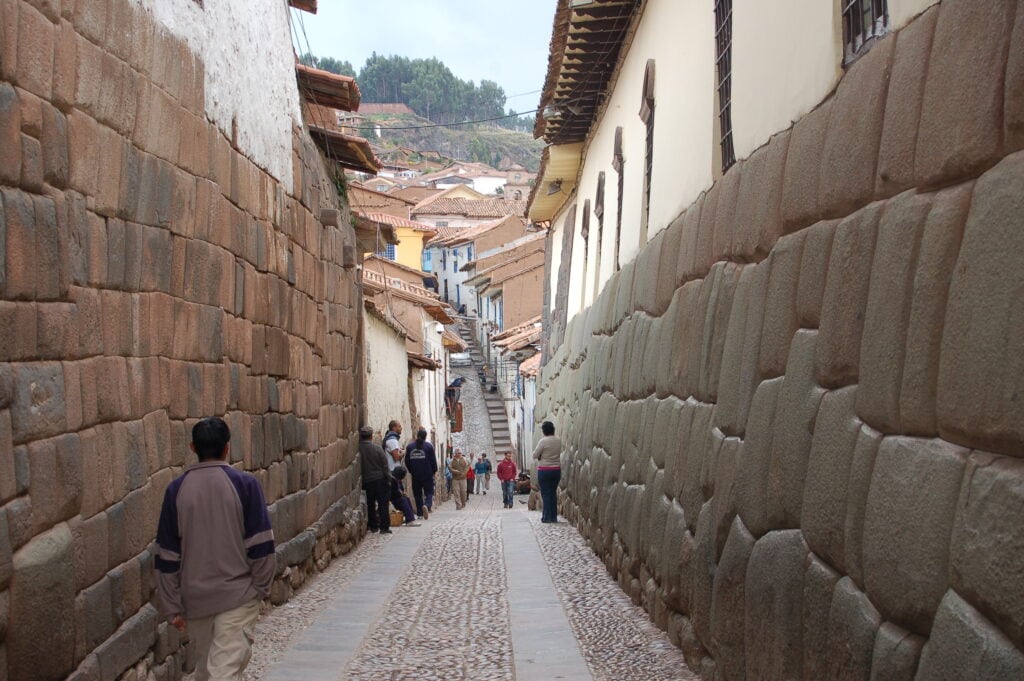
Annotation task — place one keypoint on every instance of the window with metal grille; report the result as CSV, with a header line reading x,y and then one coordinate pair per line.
x,y
619,163
723,65
647,116
388,252
863,22
599,214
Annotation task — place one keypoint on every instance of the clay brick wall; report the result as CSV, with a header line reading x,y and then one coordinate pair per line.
x,y
151,274
794,423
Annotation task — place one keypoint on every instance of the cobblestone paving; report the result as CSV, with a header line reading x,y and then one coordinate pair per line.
x,y
278,626
618,640
456,621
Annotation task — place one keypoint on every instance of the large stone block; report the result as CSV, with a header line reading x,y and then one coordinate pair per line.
x,y
703,576
740,375
903,105
780,315
797,408
940,245
858,109
1013,106
801,200
773,628
981,371
852,625
757,222
129,643
705,256
895,655
845,299
907,526
10,135
725,277
723,487
753,467
38,409
836,432
817,250
884,339
55,474
964,645
987,543
728,603
961,117
724,237
43,587
819,585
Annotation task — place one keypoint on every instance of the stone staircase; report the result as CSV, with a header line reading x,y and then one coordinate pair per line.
x,y
493,400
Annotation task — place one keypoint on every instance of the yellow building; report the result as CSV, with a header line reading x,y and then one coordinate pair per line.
x,y
411,237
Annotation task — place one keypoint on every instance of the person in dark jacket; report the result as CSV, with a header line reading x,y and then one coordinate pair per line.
x,y
376,482
398,498
421,462
215,555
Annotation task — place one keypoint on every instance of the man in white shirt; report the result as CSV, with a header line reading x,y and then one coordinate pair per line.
x,y
392,444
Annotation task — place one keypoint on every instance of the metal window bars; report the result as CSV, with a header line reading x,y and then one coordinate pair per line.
x,y
863,22
723,64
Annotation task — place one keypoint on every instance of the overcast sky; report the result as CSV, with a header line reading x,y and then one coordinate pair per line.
x,y
503,41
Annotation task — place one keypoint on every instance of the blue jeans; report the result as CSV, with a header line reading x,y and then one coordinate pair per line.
x,y
507,488
548,482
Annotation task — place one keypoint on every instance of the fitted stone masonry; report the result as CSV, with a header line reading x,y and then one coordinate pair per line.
x,y
804,456
151,274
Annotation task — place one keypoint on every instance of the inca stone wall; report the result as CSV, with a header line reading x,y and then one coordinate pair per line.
x,y
795,423
150,274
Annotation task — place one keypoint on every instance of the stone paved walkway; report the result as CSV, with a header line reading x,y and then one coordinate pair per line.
x,y
484,593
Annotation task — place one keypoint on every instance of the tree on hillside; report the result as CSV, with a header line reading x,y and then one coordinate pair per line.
x,y
342,68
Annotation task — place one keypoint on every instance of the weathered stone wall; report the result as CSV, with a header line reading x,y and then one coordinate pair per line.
x,y
795,423
151,274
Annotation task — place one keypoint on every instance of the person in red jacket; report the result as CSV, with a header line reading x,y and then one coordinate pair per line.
x,y
507,476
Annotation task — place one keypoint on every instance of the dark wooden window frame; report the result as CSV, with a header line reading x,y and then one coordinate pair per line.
x,y
585,233
723,70
619,163
647,116
864,22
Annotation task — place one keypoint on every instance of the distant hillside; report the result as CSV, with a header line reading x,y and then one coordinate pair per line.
x,y
479,142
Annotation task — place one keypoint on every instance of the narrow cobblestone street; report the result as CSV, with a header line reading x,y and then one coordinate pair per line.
x,y
484,593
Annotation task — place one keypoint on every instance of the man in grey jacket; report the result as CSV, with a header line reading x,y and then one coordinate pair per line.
x,y
215,557
376,481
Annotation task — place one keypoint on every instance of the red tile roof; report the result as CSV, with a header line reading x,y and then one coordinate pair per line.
x,y
471,208
396,221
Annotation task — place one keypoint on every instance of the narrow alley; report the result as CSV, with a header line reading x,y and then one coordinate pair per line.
x,y
483,593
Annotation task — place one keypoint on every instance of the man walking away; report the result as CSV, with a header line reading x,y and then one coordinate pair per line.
x,y
376,482
480,472
487,475
421,462
391,444
547,454
507,477
215,555
459,468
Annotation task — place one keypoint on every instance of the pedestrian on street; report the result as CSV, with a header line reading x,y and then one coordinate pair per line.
x,y
470,475
459,468
376,481
392,444
548,454
399,499
487,475
448,475
215,557
421,462
480,474
507,477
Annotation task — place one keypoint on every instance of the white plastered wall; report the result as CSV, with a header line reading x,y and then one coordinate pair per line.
x,y
246,47
786,57
387,374
679,36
